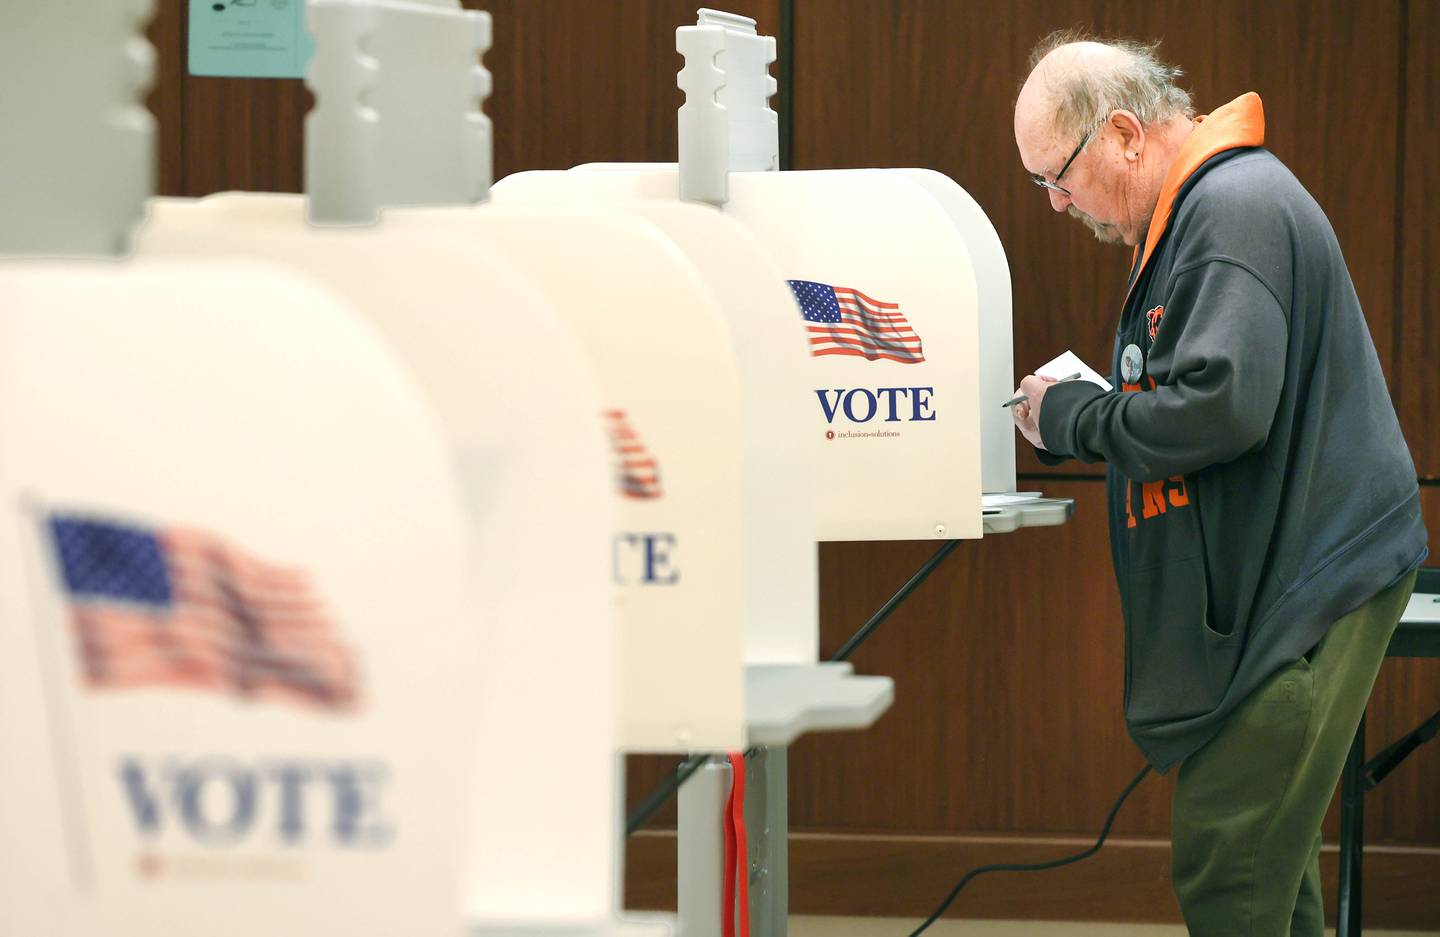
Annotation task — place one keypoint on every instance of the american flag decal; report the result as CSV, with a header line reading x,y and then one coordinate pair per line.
x,y
842,321
181,608
636,469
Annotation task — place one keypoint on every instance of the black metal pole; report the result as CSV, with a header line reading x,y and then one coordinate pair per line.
x,y
858,638
662,792
1352,837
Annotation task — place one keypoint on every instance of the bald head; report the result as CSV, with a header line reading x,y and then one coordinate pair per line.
x,y
1115,108
1049,92
1076,81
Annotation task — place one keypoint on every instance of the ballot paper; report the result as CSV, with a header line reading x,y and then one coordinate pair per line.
x,y
998,501
1069,363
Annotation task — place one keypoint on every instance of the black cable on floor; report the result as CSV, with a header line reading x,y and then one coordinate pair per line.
x,y
1038,866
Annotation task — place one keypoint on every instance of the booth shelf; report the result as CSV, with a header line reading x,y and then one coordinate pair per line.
x,y
1004,514
785,701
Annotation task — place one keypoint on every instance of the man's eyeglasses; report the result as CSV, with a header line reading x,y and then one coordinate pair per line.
x,y
1055,186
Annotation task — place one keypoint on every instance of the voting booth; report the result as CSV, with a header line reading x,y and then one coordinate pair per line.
x,y
902,288
216,481
880,286
653,336
728,151
528,432
221,609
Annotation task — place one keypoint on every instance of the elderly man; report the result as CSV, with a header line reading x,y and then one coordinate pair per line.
x,y
1264,514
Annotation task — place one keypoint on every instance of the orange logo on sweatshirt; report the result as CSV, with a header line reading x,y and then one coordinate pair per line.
x,y
1153,317
1158,496
1155,497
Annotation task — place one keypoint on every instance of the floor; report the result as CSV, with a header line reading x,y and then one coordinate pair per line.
x,y
899,927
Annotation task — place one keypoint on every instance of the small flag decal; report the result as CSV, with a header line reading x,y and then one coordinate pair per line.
x,y
842,321
182,608
636,469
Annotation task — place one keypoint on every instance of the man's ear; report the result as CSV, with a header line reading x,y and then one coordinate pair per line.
x,y
1132,133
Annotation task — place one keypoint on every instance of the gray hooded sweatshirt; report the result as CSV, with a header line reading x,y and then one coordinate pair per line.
x,y
1259,486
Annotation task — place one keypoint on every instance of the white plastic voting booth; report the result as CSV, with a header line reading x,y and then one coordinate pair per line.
x,y
526,434
671,394
527,428
882,291
778,520
903,290
220,614
728,142
216,482
637,185
664,361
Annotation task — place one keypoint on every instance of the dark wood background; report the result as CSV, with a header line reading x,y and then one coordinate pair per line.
x,y
1006,741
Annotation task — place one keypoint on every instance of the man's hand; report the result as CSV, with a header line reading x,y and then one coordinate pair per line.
x,y
1027,414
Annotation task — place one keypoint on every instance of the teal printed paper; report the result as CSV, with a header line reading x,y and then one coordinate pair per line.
x,y
249,38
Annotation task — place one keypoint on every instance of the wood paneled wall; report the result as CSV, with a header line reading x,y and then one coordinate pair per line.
x,y
222,134
1417,305
1006,740
575,81
580,81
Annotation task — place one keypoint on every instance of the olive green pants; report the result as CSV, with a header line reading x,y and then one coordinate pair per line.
x,y
1245,821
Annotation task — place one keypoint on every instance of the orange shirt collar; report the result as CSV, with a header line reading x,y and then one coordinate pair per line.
x,y
1239,123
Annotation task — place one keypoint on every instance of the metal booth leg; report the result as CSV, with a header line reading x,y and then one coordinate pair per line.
x,y
701,845
700,848
1352,836
767,825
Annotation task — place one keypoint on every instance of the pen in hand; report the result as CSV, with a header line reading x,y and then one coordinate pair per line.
x,y
1022,398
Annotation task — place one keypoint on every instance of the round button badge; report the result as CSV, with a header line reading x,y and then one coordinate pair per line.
x,y
1132,364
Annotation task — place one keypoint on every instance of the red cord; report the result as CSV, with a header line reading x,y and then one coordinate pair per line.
x,y
738,871
727,902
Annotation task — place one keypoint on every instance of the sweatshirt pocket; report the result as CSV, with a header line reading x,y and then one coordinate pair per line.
x,y
1178,666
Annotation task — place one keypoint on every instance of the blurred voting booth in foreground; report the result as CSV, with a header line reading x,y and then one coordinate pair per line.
x,y
240,703
527,438
532,434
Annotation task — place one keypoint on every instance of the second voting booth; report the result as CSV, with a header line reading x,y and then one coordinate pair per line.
x,y
900,285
